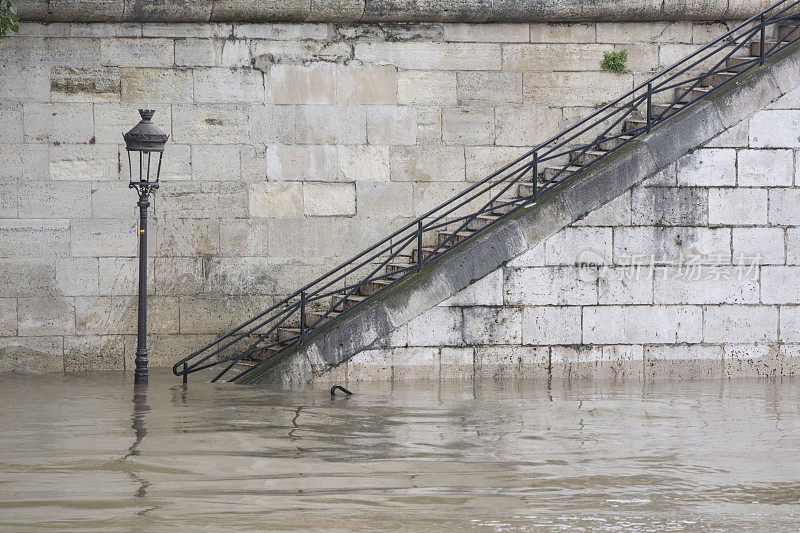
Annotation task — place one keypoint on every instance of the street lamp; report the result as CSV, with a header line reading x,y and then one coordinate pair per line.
x,y
145,140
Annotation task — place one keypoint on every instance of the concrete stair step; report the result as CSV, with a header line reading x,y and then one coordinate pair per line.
x,y
454,237
499,209
738,64
697,92
426,250
717,79
287,334
755,47
481,221
581,159
372,287
351,301
610,144
633,124
313,316
658,109
788,31
550,172
399,268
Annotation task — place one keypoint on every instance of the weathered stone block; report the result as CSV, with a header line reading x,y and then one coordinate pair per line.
x,y
742,206
482,161
497,362
384,199
99,237
254,162
268,53
366,84
429,125
426,87
137,52
438,326
670,206
184,29
551,325
212,124
761,360
94,352
117,315
24,162
487,33
775,284
329,199
758,246
427,163
708,167
775,129
301,84
45,316
533,257
574,246
432,56
212,199
792,246
553,32
8,317
468,125
157,85
85,84
330,124
301,163
185,237
270,200
195,53
733,137
492,325
289,32
272,124
242,237
216,162
77,276
119,276
548,286
645,32
625,285
8,200
784,206
427,196
740,323
415,364
765,168
391,125
363,163
457,363
82,162
713,285
370,365
638,324
226,276
551,57
58,123
34,238
489,88
665,244
27,277
617,212
32,354
790,323
558,89
683,362
525,126
487,291
228,85
57,200
111,121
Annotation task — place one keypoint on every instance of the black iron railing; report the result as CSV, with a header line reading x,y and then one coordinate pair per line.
x,y
490,200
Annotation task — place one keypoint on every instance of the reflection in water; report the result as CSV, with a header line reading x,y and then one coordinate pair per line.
x,y
489,455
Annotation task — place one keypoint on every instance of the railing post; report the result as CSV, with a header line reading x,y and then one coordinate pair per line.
x,y
535,174
419,245
649,106
185,375
302,314
763,40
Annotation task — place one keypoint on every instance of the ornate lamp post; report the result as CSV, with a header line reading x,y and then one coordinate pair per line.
x,y
145,140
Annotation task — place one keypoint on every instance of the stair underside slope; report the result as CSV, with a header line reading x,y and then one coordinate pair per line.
x,y
333,344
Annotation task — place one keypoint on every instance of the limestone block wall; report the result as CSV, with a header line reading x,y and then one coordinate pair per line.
x,y
292,147
695,273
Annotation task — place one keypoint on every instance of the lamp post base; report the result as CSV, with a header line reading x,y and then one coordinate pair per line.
x,y
141,374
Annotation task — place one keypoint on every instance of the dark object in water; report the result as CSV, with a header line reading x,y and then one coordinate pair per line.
x,y
333,390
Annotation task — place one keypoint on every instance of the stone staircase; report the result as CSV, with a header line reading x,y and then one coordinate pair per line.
x,y
574,158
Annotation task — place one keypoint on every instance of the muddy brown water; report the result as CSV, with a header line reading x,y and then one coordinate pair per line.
x,y
84,452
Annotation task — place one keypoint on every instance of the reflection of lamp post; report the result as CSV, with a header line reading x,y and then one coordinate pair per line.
x,y
144,139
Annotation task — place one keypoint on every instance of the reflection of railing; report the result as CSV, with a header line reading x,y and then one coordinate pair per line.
x,y
490,200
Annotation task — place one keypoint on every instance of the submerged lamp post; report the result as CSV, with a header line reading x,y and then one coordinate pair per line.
x,y
145,146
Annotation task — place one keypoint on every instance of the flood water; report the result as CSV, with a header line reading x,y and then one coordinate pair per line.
x,y
84,452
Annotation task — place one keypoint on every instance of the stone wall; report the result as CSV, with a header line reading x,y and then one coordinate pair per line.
x,y
292,147
694,273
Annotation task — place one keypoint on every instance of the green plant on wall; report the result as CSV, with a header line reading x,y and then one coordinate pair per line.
x,y
615,62
8,17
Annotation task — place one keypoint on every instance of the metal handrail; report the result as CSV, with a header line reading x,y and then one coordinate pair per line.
x,y
488,193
